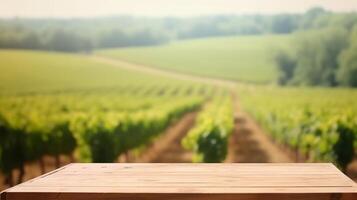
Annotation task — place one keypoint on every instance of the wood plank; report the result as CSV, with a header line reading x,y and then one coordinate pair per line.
x,y
192,190
193,181
189,181
178,196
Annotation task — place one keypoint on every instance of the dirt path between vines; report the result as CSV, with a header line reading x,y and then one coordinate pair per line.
x,y
248,142
167,148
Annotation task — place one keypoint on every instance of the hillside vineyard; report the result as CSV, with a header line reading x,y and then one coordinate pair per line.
x,y
91,123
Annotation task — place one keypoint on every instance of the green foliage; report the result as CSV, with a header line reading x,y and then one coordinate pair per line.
x,y
117,38
105,136
284,23
347,72
209,138
322,55
318,123
19,37
317,55
12,154
344,147
60,139
286,66
212,146
62,40
312,18
34,130
317,59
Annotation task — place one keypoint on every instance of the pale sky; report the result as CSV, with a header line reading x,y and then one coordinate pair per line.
x,y
91,8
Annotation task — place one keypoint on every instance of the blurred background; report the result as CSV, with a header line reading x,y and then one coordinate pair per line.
x,y
176,81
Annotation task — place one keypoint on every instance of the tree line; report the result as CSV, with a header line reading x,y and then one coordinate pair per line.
x,y
323,56
75,35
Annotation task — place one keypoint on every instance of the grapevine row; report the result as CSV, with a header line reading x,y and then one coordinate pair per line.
x,y
208,139
90,127
316,125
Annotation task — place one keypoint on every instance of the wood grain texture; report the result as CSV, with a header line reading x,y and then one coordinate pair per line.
x,y
189,181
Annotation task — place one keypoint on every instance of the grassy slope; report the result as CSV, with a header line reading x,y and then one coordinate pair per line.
x,y
244,58
34,71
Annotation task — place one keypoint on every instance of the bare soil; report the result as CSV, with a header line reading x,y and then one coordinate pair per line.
x,y
167,148
352,170
249,144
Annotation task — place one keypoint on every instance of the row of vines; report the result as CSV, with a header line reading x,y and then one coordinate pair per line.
x,y
318,124
208,139
92,126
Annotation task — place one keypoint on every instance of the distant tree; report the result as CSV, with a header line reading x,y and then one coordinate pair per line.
x,y
284,23
347,72
117,38
114,38
30,41
317,55
147,37
309,18
200,29
345,20
11,36
286,66
62,40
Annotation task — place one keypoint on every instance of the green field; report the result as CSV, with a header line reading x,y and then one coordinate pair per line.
x,y
36,71
242,58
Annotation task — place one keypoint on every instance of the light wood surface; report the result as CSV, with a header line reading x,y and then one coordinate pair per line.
x,y
189,181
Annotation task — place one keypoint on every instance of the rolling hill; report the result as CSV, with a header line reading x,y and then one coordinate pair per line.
x,y
242,58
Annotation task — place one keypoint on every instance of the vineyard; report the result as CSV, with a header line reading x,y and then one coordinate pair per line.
x,y
33,127
209,138
55,104
89,124
318,124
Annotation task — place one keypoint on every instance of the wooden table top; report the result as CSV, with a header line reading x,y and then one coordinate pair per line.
x,y
188,181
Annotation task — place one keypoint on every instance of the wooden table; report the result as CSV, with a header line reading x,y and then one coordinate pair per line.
x,y
188,181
